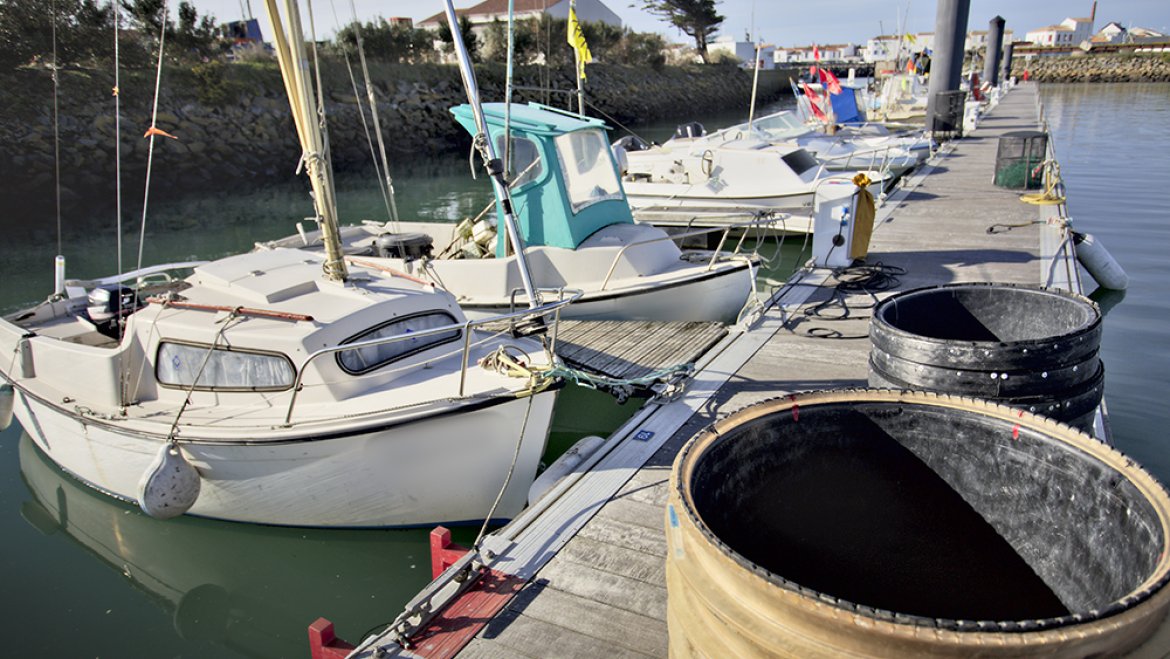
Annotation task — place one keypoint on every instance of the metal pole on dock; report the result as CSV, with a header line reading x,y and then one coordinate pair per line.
x,y
946,66
1007,60
994,50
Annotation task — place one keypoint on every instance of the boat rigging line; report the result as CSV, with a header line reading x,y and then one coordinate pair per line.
x,y
153,131
508,92
382,171
56,131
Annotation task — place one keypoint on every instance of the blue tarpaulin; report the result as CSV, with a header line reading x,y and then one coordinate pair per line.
x,y
845,106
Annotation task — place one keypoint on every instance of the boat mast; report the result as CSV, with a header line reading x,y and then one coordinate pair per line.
x,y
309,119
487,150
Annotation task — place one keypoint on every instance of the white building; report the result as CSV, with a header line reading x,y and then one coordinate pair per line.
x,y
977,39
744,51
1115,32
1069,33
484,13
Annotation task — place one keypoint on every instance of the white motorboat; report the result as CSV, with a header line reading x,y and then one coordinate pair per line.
x,y
849,149
727,173
577,230
282,387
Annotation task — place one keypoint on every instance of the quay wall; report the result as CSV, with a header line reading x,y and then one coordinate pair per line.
x,y
233,125
1094,68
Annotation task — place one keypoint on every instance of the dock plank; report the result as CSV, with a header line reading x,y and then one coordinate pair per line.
x,y
511,634
634,349
616,627
607,589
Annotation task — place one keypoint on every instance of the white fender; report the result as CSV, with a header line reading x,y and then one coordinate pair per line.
x,y
170,485
7,397
1099,262
568,463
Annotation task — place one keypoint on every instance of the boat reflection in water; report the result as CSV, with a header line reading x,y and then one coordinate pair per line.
x,y
251,589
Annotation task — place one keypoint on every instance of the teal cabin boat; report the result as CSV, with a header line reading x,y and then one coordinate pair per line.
x,y
578,232
567,186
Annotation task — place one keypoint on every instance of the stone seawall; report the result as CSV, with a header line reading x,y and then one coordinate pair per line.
x,y
233,125
1094,68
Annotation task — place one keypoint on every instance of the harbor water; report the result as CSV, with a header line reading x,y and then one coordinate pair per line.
x,y
90,576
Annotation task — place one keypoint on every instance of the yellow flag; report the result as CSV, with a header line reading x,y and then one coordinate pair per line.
x,y
576,39
911,38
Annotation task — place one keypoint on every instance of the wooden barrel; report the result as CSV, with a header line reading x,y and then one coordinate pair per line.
x,y
898,523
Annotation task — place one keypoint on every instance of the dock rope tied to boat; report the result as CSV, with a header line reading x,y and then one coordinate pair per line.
x,y
502,361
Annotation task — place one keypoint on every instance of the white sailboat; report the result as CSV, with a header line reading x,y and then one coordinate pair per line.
x,y
282,387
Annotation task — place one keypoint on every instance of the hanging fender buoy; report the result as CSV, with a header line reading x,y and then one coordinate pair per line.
x,y
569,461
170,485
7,397
1099,262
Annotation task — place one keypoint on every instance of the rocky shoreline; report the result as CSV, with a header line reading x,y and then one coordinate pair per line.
x,y
1094,68
233,126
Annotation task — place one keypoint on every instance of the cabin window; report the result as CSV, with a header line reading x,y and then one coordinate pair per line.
x,y
588,167
526,163
800,161
368,358
226,369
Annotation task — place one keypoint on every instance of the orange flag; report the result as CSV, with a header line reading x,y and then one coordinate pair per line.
x,y
153,130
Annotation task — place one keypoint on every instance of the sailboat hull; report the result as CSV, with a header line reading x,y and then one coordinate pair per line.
x,y
445,468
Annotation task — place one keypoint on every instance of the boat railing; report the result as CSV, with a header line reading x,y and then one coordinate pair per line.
x,y
564,297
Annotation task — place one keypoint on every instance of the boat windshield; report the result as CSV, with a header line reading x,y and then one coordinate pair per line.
x,y
364,360
589,172
780,126
526,165
224,369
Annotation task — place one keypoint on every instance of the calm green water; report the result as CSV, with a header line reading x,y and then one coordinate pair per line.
x,y
1111,141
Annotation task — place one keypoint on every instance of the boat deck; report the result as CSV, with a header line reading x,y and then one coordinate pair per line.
x,y
587,563
630,350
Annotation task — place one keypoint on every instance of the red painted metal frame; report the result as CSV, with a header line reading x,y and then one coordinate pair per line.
x,y
324,644
454,627
444,553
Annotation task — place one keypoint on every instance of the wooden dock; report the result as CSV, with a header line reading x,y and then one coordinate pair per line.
x,y
582,573
631,350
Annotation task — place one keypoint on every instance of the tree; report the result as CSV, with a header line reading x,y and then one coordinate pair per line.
x,y
469,39
84,31
696,18
386,42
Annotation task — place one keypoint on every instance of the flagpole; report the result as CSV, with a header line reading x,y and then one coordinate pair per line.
x,y
577,61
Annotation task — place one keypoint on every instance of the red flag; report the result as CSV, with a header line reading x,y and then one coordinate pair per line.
x,y
816,54
809,92
830,82
812,102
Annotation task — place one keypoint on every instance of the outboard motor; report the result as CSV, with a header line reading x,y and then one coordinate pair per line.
x,y
631,143
620,159
109,306
408,246
692,129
